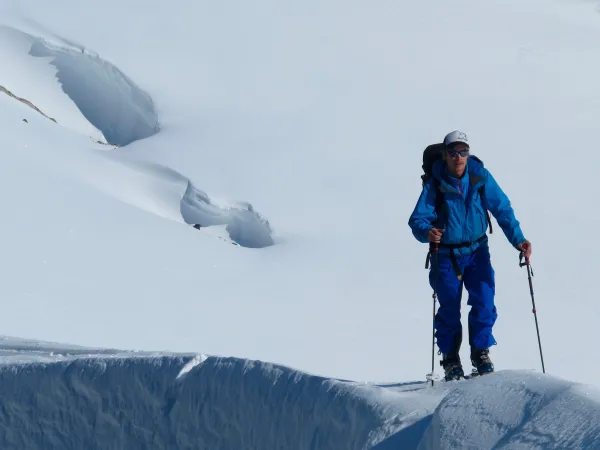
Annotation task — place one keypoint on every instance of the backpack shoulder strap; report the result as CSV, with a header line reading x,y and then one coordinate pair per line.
x,y
489,218
475,180
440,204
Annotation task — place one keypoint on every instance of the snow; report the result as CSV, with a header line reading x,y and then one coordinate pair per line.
x,y
516,410
292,135
73,397
118,108
33,79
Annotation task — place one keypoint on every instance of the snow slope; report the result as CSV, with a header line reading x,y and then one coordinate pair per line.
x,y
71,397
320,128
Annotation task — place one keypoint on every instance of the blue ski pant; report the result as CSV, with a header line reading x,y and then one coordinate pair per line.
x,y
478,279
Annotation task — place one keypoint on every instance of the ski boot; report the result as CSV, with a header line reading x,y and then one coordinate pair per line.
x,y
481,361
452,367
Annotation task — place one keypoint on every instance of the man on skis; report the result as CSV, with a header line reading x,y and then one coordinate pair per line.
x,y
451,214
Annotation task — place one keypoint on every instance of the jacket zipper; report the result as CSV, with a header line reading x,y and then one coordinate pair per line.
x,y
465,209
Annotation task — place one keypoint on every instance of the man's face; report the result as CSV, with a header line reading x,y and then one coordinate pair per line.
x,y
457,163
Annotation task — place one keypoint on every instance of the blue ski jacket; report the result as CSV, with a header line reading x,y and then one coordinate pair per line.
x,y
463,214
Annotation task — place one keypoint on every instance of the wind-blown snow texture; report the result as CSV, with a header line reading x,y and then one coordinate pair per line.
x,y
69,397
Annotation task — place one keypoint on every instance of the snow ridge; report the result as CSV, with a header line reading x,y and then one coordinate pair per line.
x,y
516,410
74,397
142,402
109,100
244,225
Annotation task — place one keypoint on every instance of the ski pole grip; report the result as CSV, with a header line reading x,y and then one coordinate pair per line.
x,y
526,263
521,263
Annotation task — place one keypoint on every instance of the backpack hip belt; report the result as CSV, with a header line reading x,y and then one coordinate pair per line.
x,y
453,259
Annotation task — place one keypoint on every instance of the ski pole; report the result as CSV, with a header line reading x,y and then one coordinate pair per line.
x,y
435,249
530,276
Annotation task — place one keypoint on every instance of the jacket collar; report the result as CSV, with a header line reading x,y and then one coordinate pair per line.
x,y
474,169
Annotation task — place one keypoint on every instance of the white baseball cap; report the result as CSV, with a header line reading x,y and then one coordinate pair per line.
x,y
454,137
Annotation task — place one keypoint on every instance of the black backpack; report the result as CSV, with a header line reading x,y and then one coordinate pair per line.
x,y
431,154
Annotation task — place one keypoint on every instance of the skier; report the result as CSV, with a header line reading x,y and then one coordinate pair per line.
x,y
451,214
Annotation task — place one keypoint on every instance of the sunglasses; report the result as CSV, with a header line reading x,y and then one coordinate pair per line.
x,y
454,153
